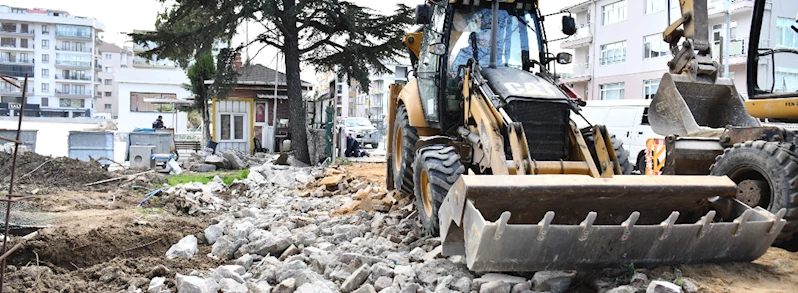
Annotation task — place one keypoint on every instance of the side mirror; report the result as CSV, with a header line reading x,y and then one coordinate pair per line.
x,y
423,14
568,25
437,49
564,58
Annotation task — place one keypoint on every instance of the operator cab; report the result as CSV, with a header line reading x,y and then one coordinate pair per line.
x,y
462,32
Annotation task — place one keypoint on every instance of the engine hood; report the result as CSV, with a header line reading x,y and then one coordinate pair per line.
x,y
510,83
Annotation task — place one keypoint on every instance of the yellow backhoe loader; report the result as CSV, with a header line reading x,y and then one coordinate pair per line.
x,y
711,129
482,138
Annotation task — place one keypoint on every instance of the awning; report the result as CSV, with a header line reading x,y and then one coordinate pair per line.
x,y
168,101
262,96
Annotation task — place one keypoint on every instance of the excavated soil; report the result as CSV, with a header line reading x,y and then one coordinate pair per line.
x,y
51,172
371,171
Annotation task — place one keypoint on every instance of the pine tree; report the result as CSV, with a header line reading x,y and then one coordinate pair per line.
x,y
328,34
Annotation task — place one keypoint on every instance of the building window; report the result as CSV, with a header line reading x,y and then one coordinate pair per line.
x,y
654,46
109,69
76,31
45,58
9,27
615,12
45,87
653,6
109,82
72,103
650,88
107,94
232,127
137,103
45,30
612,91
45,102
45,44
107,56
45,72
23,43
19,11
107,106
785,36
786,80
8,42
613,53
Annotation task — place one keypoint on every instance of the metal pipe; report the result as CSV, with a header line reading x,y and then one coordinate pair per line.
x,y
494,32
11,182
473,138
727,42
274,110
669,12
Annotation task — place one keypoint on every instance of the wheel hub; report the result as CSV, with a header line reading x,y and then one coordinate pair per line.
x,y
751,192
426,194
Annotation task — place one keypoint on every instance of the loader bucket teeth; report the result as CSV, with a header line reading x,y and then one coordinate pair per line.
x,y
566,222
686,107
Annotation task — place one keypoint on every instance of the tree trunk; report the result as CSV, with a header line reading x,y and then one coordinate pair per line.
x,y
296,123
206,121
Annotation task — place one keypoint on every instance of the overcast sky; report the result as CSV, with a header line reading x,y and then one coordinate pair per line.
x,y
122,16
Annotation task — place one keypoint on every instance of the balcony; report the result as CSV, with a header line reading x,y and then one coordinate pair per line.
x,y
73,93
582,38
15,61
73,77
716,7
154,63
10,90
581,73
27,47
15,32
81,49
74,64
73,35
738,50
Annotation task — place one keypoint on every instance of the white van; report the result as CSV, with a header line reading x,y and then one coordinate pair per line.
x,y
626,119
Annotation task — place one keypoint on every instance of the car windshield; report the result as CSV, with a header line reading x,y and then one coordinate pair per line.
x,y
515,34
354,122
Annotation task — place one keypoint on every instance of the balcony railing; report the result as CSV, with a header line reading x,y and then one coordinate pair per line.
x,y
72,92
73,49
14,31
86,64
16,61
580,70
73,77
78,35
14,90
28,46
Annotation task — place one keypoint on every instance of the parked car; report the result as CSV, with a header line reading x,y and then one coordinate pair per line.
x,y
626,119
361,129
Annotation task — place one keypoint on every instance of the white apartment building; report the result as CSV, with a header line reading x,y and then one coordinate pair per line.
x,y
111,59
146,89
374,105
56,50
619,52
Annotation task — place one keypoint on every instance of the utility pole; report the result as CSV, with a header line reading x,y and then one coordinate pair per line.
x,y
727,41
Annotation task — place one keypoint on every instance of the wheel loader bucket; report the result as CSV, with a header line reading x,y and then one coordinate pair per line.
x,y
687,107
565,222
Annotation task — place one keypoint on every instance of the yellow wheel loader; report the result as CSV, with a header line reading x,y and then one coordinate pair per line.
x,y
482,138
711,129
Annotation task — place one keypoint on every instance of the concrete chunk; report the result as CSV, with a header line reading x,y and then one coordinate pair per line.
x,y
663,287
186,247
355,279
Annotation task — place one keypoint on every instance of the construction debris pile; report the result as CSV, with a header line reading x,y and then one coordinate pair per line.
x,y
33,168
311,229
227,160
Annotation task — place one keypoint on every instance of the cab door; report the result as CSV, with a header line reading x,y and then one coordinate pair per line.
x,y
429,64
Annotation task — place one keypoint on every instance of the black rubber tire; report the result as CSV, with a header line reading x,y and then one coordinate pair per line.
x,y
403,176
777,164
443,167
641,162
617,145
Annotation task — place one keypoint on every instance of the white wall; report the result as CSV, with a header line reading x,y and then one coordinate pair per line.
x,y
149,81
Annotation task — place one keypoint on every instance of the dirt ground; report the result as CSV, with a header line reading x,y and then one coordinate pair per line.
x,y
372,171
101,242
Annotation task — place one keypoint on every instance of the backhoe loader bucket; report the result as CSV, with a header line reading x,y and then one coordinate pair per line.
x,y
549,222
686,107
